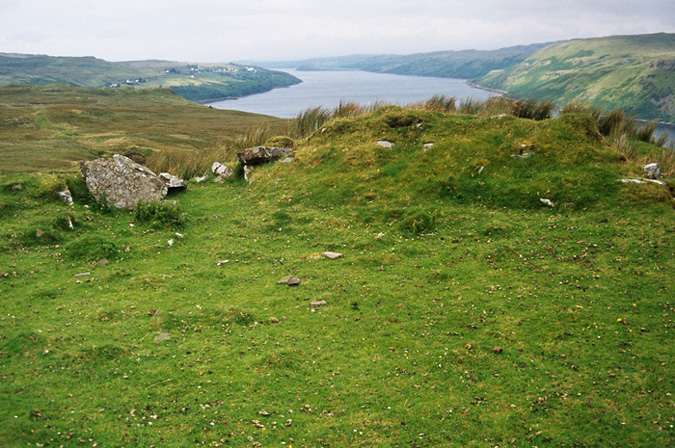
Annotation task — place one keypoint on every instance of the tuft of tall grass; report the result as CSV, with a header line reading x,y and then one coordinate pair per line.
x,y
533,109
441,103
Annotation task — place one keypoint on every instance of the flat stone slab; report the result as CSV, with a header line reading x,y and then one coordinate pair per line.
x,y
332,255
289,280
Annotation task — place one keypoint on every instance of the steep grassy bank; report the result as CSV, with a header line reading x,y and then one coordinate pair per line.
x,y
195,82
51,128
633,73
465,312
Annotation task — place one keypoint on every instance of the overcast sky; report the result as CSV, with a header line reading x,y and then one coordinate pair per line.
x,y
230,30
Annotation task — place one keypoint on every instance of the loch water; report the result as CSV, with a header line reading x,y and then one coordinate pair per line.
x,y
327,88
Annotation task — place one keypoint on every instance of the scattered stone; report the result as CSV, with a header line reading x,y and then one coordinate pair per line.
x,y
82,274
66,197
273,320
221,170
102,262
39,233
257,423
287,160
385,144
318,303
201,179
222,262
525,155
379,235
163,336
179,235
172,182
547,202
122,182
289,280
17,187
70,223
653,170
247,172
497,350
428,146
259,155
480,171
332,255
219,180
170,242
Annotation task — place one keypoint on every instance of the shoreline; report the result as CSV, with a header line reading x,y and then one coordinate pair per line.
x,y
486,89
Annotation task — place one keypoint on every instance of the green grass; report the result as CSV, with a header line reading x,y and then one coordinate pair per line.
x,y
632,73
464,313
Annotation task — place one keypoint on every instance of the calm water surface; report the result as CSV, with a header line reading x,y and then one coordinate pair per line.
x,y
327,89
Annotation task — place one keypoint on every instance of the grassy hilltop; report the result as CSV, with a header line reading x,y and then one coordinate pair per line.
x,y
633,73
195,82
465,311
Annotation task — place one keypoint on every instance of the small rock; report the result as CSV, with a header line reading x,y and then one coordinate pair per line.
x,y
66,197
385,144
170,243
163,336
289,280
273,320
222,262
428,146
287,160
102,262
497,350
332,255
525,155
17,187
379,235
219,180
179,235
201,179
82,274
39,233
547,202
221,170
247,172
318,303
653,170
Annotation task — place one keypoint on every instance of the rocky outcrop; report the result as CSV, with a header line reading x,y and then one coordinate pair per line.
x,y
259,155
121,181
173,182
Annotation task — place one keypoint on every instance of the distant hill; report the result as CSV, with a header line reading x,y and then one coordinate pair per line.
x,y
633,73
195,82
442,64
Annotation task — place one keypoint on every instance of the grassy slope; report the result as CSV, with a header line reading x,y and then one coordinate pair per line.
x,y
578,298
634,73
212,81
51,128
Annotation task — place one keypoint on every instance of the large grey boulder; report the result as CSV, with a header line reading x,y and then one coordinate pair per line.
x,y
259,155
122,181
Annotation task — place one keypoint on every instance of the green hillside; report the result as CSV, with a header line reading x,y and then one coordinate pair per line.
x,y
633,73
195,82
466,311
